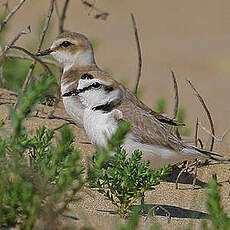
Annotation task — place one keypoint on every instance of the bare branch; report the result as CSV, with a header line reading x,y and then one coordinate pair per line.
x,y
12,12
63,16
217,138
99,13
6,7
23,57
28,30
139,53
196,133
35,58
9,92
30,72
176,96
207,112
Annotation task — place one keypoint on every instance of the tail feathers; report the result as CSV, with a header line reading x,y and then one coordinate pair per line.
x,y
203,153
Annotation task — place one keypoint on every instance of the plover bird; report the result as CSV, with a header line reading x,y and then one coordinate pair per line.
x,y
102,98
75,53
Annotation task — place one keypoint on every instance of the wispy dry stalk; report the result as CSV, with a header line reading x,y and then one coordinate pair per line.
x,y
28,30
6,7
34,57
30,72
176,95
24,57
217,138
100,14
61,18
196,133
207,112
12,12
138,52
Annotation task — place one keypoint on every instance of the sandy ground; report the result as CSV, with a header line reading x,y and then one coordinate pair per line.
x,y
186,206
191,38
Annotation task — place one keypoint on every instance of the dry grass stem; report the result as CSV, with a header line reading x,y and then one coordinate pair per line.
x,y
138,52
217,138
99,13
24,57
188,165
34,57
12,12
176,95
196,133
7,47
207,112
30,72
61,18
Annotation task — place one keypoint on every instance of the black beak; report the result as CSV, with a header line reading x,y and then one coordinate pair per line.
x,y
72,93
44,52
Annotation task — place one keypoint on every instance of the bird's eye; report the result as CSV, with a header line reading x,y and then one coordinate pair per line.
x,y
96,85
86,76
66,44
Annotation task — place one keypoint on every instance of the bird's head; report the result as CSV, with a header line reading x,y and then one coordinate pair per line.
x,y
97,88
71,48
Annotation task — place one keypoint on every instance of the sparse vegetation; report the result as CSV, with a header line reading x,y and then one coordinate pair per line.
x,y
40,173
124,180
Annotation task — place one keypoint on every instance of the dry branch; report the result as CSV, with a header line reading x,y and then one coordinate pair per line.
x,y
176,96
196,133
24,57
207,112
28,30
61,18
34,57
99,13
12,12
217,138
138,52
30,72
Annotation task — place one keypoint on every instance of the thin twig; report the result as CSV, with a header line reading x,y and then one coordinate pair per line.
x,y
8,92
201,143
219,138
176,96
23,57
207,112
138,52
196,133
7,47
6,7
12,12
35,58
63,16
195,174
30,72
100,14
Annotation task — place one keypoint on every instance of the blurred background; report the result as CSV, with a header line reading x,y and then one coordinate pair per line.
x,y
189,37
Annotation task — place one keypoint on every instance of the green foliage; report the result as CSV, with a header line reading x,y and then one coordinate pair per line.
x,y
161,106
125,180
14,72
132,222
218,217
38,179
37,92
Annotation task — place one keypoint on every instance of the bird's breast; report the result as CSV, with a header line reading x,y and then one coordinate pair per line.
x,y
73,105
99,127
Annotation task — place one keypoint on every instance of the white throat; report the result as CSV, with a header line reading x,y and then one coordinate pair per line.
x,y
68,60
